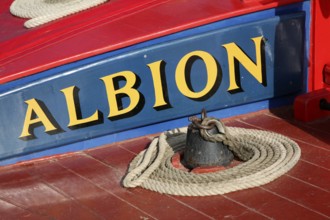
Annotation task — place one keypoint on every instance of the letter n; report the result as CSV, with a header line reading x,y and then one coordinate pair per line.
x,y
236,55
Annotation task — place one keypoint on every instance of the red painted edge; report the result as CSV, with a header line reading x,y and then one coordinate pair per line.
x,y
177,164
319,44
307,106
113,25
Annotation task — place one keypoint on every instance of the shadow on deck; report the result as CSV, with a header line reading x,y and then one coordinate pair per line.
x,y
86,185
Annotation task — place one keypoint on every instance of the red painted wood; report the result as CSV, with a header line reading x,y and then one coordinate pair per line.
x,y
116,159
138,198
320,177
223,207
307,106
11,211
302,193
296,130
81,190
318,155
272,205
89,183
34,195
99,174
319,55
113,25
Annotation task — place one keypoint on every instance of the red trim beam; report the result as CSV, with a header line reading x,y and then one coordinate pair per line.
x,y
110,26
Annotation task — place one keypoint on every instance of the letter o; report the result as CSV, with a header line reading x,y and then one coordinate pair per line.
x,y
211,70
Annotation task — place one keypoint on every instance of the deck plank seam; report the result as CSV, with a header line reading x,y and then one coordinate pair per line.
x,y
293,138
171,197
307,183
21,206
183,203
297,203
247,207
61,192
190,207
298,123
107,191
322,167
86,154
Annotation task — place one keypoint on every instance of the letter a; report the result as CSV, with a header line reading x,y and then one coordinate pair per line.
x,y
36,115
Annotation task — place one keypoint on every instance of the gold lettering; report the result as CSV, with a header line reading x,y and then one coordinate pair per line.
x,y
155,68
71,94
34,116
211,71
113,93
236,54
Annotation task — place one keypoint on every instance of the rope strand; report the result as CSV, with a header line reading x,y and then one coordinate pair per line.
x,y
43,11
270,155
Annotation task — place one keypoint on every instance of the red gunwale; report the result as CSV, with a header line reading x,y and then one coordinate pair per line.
x,y
28,51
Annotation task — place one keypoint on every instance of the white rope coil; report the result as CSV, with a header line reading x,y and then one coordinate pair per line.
x,y
43,11
273,155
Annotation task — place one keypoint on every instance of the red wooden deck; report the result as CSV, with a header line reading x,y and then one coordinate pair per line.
x,y
86,185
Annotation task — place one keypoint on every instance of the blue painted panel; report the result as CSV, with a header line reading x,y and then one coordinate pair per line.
x,y
283,53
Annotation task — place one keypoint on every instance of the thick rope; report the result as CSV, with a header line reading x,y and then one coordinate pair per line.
x,y
270,155
224,136
43,11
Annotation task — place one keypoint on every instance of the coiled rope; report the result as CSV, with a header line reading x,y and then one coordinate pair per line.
x,y
43,11
267,156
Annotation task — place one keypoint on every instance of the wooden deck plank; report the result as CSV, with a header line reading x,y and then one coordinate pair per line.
x,y
34,195
11,211
313,165
308,189
288,128
222,207
98,174
273,205
219,207
308,196
312,174
144,199
311,153
315,155
87,185
286,113
81,190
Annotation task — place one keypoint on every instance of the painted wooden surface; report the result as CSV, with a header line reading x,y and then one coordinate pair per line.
x,y
86,184
319,50
213,67
110,26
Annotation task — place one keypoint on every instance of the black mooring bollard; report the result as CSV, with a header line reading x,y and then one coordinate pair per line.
x,y
202,153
